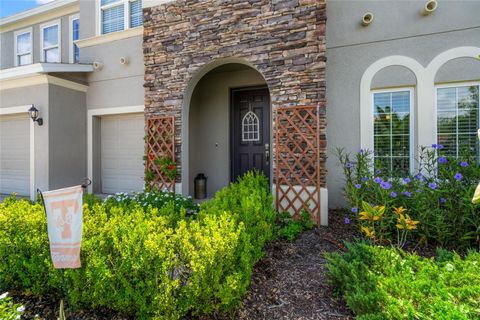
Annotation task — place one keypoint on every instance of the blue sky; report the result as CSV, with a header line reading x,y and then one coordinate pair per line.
x,y
9,7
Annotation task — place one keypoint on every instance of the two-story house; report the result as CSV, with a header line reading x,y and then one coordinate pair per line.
x,y
229,86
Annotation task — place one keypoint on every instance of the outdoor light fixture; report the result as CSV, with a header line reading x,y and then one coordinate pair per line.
x,y
429,7
33,112
367,19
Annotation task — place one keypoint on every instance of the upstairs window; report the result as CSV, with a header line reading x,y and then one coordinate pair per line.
x,y
50,42
458,119
136,13
392,132
74,35
23,47
118,15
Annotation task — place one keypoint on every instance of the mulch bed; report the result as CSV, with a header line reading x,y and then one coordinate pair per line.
x,y
290,282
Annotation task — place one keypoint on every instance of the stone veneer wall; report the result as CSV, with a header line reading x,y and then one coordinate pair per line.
x,y
283,40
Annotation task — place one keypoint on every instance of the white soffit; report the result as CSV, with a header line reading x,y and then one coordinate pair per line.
x,y
54,5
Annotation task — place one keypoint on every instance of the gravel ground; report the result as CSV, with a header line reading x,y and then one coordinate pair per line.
x,y
290,282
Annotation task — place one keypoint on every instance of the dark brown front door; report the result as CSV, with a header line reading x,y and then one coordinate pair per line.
x,y
250,131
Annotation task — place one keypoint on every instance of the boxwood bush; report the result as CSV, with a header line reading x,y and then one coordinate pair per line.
x,y
146,261
387,283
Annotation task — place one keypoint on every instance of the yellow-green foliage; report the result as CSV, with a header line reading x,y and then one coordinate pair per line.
x,y
146,263
24,252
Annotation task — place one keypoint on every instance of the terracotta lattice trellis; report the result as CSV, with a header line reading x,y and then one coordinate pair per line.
x,y
297,160
159,142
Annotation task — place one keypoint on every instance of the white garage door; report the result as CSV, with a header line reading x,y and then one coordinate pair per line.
x,y
15,154
122,150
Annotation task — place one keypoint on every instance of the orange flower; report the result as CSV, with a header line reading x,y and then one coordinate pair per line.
x,y
406,223
368,232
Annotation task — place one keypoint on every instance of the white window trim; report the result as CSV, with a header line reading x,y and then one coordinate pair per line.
x,y
449,85
411,91
59,44
126,15
15,35
24,110
71,51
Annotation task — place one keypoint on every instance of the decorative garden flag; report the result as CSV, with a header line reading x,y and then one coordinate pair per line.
x,y
64,218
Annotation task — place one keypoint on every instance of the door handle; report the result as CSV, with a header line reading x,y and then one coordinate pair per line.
x,y
267,153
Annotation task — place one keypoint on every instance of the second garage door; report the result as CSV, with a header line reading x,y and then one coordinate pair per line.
x,y
122,150
15,154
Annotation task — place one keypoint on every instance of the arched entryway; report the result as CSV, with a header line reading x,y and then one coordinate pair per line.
x,y
226,125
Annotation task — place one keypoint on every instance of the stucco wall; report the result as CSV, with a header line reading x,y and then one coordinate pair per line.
x,y
68,139
37,95
115,85
7,42
398,28
88,18
209,125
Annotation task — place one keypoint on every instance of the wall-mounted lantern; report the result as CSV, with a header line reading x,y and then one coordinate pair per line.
x,y
33,112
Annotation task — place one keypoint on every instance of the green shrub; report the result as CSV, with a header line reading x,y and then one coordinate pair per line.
x,y
439,195
8,309
387,283
143,260
288,228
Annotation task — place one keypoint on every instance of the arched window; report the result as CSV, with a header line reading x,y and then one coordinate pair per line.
x,y
250,127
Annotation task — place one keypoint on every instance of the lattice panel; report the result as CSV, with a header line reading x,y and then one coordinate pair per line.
x,y
297,160
160,142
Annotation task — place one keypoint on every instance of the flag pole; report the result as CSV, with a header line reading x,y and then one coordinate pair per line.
x,y
84,185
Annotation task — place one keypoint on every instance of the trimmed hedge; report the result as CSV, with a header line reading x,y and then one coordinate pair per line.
x,y
387,283
151,263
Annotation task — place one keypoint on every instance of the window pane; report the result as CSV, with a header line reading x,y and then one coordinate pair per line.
x,y
76,36
136,13
112,19
400,166
51,55
458,120
401,101
24,59
381,102
449,143
104,2
23,43
50,36
76,54
392,132
75,29
446,121
446,99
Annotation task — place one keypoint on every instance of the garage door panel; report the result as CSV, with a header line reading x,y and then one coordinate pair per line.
x,y
122,153
15,154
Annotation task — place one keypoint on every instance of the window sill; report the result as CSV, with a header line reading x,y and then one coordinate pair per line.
x,y
110,37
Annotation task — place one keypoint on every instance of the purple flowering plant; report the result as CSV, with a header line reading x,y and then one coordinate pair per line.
x,y
438,194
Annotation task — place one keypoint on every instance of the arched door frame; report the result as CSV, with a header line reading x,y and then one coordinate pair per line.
x,y
185,123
